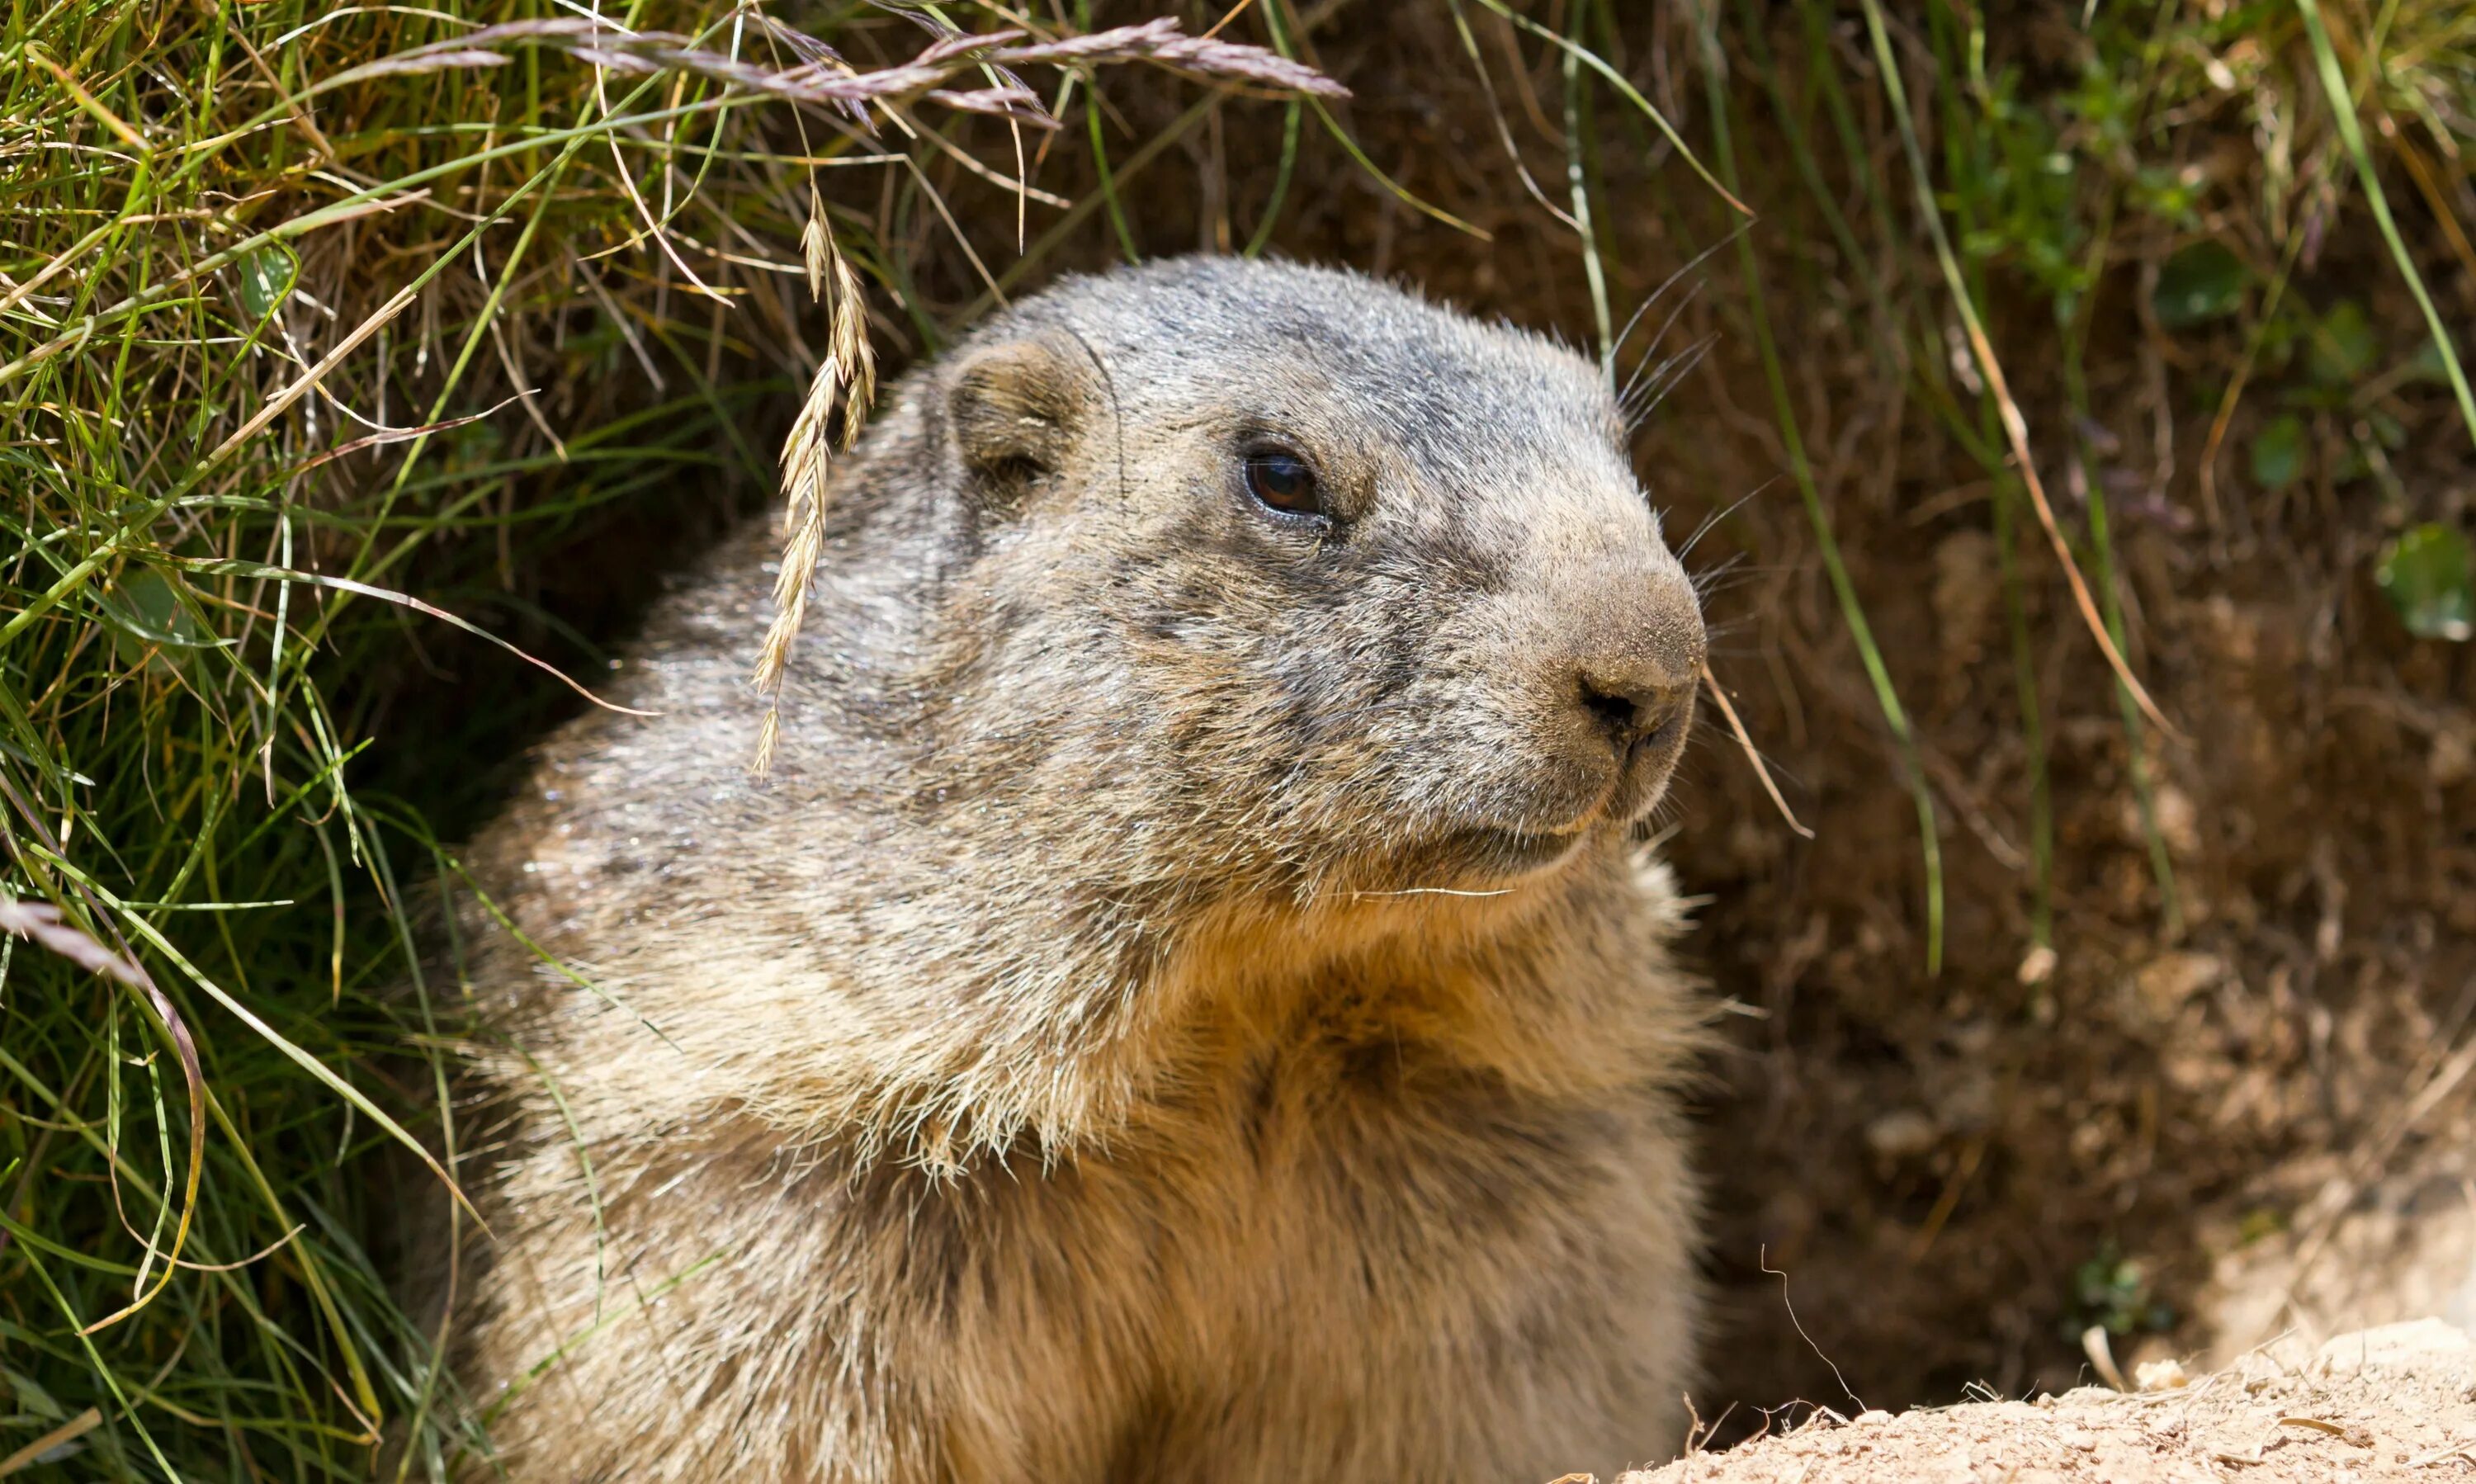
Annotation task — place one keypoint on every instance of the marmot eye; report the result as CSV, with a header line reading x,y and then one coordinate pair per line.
x,y
1284,482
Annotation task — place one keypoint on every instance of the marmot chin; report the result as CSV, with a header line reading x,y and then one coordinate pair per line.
x,y
1188,1003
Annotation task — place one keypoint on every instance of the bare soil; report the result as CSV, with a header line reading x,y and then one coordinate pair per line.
x,y
2396,1404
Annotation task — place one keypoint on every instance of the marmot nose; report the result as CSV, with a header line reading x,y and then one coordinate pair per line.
x,y
1632,655
1631,703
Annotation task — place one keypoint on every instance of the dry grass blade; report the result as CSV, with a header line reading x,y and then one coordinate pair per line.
x,y
1753,755
40,923
1161,42
258,571
2100,1351
2016,428
67,1432
834,86
846,377
281,402
386,435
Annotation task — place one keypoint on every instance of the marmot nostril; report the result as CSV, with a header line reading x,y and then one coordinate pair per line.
x,y
1629,708
1618,711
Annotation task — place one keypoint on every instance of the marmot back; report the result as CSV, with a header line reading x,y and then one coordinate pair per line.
x,y
1187,1002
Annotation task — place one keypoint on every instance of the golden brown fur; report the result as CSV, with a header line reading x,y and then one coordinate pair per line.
x,y
1186,1003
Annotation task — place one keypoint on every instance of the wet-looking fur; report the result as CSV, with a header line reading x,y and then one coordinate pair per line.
x,y
1188,1003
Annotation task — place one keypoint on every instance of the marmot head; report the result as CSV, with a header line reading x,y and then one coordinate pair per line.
x,y
1195,646
1283,578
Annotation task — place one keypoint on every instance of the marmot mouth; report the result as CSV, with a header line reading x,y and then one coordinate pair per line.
x,y
1491,852
1475,860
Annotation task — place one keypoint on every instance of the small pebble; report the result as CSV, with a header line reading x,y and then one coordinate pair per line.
x,y
2155,1376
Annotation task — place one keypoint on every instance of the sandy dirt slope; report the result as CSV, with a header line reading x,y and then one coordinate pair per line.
x,y
2392,1403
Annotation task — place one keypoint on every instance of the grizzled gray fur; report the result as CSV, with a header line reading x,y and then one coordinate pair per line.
x,y
1189,1002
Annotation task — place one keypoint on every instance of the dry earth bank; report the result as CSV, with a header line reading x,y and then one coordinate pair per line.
x,y
2398,1402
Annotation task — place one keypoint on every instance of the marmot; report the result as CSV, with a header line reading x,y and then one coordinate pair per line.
x,y
1190,1002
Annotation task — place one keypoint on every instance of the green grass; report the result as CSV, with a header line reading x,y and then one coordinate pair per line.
x,y
193,673
236,237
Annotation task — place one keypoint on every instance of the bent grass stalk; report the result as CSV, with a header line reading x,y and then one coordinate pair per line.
x,y
1592,60
2015,427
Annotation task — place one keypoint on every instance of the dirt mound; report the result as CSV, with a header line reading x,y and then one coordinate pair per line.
x,y
2392,1403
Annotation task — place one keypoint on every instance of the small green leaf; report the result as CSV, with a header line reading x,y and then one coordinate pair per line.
x,y
32,1398
2427,366
2343,348
2202,282
2278,452
2429,577
266,278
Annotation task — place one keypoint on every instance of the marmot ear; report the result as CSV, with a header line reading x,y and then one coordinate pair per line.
x,y
1017,408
